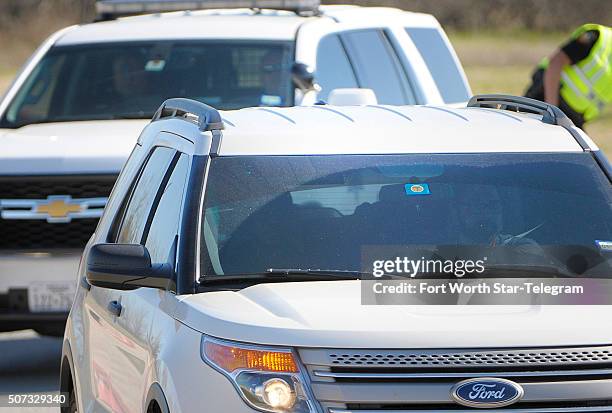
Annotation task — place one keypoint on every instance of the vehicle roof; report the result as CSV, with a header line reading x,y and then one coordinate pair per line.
x,y
379,129
224,24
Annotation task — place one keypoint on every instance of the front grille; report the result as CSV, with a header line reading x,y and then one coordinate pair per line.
x,y
596,405
599,407
555,380
527,358
37,234
40,187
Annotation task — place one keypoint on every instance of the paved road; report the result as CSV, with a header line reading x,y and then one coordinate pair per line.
x,y
28,364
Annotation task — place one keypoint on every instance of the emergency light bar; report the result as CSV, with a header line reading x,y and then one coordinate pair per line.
x,y
110,9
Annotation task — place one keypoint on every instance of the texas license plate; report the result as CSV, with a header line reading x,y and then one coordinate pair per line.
x,y
51,297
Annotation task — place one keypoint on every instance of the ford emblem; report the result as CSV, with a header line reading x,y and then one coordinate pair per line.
x,y
487,393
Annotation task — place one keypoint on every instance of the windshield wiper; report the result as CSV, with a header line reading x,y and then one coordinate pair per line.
x,y
522,270
284,275
339,274
343,274
492,271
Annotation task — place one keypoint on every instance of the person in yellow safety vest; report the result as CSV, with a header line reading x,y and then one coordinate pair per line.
x,y
578,77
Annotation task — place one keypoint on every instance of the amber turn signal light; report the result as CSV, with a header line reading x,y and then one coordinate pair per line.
x,y
232,358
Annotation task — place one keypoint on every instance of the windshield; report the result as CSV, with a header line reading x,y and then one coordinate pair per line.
x,y
322,212
131,80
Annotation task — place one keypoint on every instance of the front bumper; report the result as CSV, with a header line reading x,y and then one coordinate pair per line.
x,y
20,271
45,323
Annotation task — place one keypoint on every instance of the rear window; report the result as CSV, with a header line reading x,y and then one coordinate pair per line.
x,y
440,63
131,80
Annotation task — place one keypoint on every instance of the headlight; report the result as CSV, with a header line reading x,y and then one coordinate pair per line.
x,y
267,378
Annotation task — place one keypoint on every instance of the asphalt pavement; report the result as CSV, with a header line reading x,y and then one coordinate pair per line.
x,y
29,364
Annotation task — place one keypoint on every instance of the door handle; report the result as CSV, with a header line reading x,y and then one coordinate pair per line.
x,y
114,307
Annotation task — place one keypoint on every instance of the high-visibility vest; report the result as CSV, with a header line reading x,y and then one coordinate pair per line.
x,y
587,85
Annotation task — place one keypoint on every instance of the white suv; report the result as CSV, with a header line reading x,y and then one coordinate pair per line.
x,y
71,117
224,274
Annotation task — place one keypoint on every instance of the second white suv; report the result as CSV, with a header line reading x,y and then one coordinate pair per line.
x,y
71,117
224,274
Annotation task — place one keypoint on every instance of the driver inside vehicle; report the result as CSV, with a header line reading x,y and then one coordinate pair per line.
x,y
481,218
128,77
273,69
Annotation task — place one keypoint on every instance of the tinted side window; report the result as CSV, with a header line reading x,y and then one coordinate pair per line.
x,y
378,67
143,196
165,223
333,67
440,63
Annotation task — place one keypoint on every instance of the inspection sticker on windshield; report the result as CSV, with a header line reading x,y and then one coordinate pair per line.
x,y
604,245
156,65
270,100
417,189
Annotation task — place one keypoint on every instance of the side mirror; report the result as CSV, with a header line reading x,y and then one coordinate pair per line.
x,y
303,77
125,267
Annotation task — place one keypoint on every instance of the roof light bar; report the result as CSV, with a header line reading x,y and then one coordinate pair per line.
x,y
108,9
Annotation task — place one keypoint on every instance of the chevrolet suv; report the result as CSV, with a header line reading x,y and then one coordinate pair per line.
x,y
71,117
226,274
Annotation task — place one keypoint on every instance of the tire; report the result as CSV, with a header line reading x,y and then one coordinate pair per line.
x,y
154,408
72,408
67,385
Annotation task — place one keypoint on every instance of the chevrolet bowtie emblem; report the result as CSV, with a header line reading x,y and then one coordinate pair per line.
x,y
55,209
58,208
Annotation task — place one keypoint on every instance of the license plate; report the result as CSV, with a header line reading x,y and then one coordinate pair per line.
x,y
51,297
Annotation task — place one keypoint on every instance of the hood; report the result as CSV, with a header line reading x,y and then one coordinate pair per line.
x,y
330,314
68,147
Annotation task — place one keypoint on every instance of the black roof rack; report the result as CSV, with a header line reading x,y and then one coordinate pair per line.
x,y
550,113
112,9
206,117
